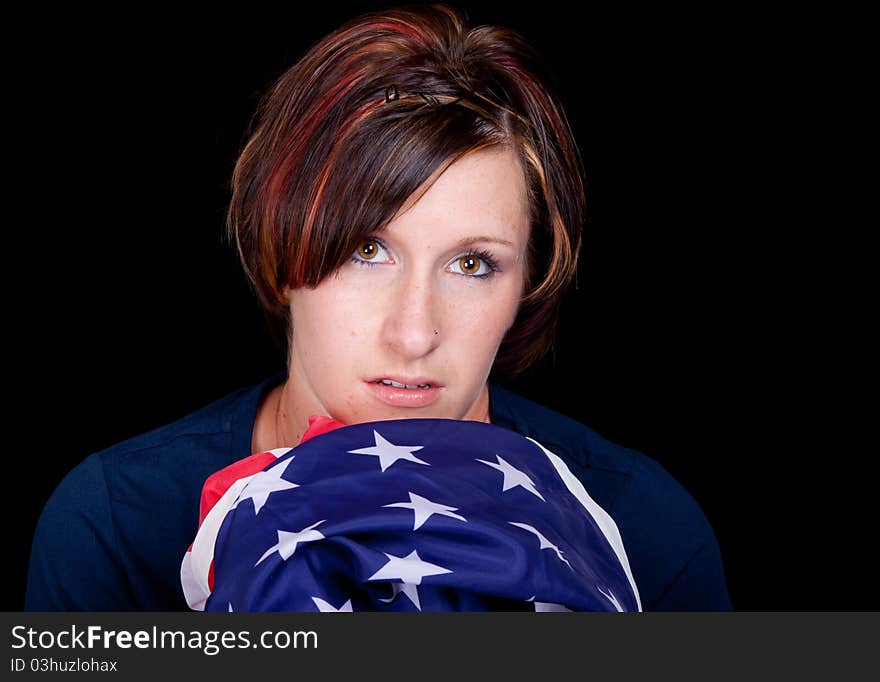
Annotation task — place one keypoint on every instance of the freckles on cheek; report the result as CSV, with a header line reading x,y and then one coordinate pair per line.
x,y
478,326
358,332
354,311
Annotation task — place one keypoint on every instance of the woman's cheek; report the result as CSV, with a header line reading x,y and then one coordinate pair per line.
x,y
488,309
473,321
351,285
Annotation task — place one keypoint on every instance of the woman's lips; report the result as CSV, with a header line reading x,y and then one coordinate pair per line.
x,y
404,397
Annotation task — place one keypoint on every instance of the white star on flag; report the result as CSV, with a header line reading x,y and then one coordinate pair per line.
x,y
545,543
264,484
423,509
287,541
512,476
388,453
326,607
410,569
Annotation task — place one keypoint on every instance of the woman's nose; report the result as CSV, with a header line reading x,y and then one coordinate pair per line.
x,y
411,318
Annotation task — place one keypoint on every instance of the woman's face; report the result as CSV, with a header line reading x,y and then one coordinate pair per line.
x,y
427,301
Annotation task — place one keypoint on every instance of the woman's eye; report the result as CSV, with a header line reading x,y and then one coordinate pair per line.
x,y
480,264
369,251
473,265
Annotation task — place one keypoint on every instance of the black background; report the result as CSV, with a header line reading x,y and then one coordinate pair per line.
x,y
703,330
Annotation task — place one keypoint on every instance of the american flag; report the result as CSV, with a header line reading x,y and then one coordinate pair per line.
x,y
406,515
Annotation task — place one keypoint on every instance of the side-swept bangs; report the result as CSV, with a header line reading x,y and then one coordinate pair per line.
x,y
360,127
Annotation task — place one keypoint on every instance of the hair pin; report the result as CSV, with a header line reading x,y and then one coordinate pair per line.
x,y
388,94
430,99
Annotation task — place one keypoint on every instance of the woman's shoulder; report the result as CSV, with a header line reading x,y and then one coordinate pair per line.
x,y
206,438
588,453
566,436
230,415
119,495
664,529
179,455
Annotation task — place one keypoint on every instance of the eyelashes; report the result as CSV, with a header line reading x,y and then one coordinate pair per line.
x,y
368,254
482,255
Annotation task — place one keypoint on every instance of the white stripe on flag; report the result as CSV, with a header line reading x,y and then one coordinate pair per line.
x,y
603,519
196,565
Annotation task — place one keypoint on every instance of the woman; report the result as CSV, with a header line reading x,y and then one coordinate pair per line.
x,y
408,209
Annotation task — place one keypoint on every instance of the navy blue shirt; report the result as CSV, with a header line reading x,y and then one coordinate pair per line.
x,y
113,534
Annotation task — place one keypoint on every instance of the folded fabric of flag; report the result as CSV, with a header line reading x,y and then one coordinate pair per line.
x,y
405,515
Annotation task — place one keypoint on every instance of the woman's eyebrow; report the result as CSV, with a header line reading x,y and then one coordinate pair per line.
x,y
467,241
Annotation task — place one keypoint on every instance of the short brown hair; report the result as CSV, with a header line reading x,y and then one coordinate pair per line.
x,y
346,135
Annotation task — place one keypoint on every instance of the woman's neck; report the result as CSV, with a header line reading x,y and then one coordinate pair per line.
x,y
265,435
